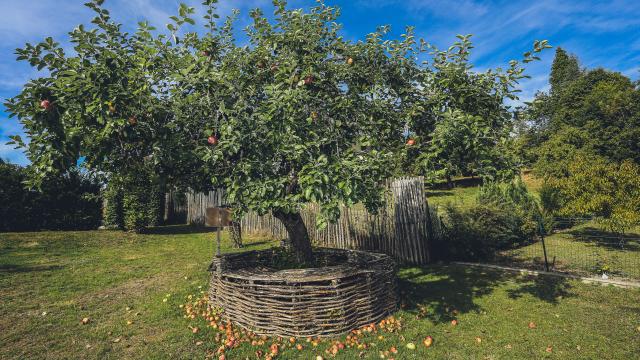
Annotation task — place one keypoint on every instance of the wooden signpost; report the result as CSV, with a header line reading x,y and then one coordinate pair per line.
x,y
217,217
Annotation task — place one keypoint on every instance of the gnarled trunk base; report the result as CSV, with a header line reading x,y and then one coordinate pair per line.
x,y
298,235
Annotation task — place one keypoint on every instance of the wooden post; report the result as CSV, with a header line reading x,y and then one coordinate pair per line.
x,y
218,233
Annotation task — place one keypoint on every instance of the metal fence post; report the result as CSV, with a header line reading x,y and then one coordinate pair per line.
x,y
541,230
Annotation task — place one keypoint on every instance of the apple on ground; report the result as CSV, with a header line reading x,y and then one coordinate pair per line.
x,y
428,341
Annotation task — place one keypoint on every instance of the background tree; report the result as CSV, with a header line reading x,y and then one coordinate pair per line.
x,y
606,190
461,123
564,69
602,106
108,107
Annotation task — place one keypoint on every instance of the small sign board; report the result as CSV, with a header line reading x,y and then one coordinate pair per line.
x,y
217,217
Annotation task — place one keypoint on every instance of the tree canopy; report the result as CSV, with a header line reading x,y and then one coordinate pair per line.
x,y
595,111
299,115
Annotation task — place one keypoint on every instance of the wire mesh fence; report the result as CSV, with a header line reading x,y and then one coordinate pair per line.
x,y
580,246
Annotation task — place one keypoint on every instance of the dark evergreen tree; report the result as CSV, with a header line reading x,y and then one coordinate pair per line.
x,y
565,68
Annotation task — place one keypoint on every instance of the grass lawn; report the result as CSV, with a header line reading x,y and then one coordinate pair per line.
x,y
131,286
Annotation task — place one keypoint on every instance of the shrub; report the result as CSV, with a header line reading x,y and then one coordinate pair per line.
x,y
135,203
504,216
156,205
550,197
64,202
113,215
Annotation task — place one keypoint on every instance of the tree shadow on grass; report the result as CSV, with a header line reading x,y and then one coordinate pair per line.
x,y
178,230
431,194
440,293
606,239
14,268
249,245
544,287
446,290
462,183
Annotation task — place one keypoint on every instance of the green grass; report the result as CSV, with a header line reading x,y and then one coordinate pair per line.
x,y
49,281
459,196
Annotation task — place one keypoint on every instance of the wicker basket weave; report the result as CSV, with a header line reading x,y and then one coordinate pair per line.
x,y
323,301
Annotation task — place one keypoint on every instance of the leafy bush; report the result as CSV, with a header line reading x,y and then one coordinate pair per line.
x,y
503,217
64,202
113,216
551,198
135,203
156,205
606,190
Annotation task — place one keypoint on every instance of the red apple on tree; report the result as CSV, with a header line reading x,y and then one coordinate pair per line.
x,y
411,142
213,140
308,80
45,104
133,120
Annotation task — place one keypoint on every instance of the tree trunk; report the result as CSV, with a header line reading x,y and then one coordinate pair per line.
x,y
449,182
236,234
298,235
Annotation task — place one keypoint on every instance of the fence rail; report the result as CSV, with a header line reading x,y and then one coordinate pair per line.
x,y
402,228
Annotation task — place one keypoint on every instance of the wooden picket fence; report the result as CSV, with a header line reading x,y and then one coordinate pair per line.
x,y
402,228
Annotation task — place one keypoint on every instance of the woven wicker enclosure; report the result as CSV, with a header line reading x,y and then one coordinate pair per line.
x,y
356,288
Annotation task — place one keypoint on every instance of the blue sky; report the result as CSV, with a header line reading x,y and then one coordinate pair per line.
x,y
600,33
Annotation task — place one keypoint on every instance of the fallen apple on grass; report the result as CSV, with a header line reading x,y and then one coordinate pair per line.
x,y
428,341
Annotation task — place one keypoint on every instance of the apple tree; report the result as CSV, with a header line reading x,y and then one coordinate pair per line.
x,y
106,104
301,116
